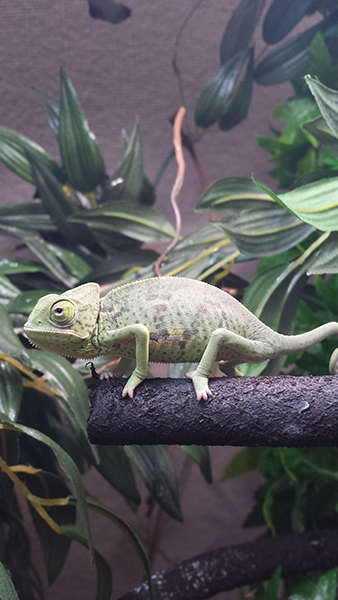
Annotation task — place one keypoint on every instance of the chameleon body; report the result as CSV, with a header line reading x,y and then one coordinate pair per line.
x,y
167,319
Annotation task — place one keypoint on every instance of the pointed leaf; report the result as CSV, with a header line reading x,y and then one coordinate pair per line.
x,y
10,266
10,390
225,192
8,291
290,60
130,172
104,576
138,222
129,532
46,252
27,215
67,465
9,342
115,467
216,96
7,589
58,204
323,134
240,29
326,260
327,101
314,203
244,460
240,103
200,455
263,232
81,156
157,471
50,106
13,154
60,374
282,17
55,547
324,589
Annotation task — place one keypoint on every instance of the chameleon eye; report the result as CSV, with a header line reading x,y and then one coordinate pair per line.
x,y
63,312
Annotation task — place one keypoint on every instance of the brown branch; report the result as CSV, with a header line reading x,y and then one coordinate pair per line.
x,y
234,566
243,411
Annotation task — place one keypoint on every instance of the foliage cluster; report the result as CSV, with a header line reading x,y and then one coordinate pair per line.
x,y
84,225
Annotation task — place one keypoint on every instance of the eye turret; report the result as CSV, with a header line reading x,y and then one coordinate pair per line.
x,y
63,312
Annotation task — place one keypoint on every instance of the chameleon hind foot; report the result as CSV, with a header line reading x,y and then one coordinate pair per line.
x,y
200,384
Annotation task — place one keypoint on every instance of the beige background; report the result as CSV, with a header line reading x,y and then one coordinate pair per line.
x,y
119,72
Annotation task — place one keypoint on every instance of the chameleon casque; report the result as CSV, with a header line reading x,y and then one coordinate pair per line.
x,y
168,320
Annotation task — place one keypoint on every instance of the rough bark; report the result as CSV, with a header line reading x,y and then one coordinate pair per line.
x,y
226,568
243,411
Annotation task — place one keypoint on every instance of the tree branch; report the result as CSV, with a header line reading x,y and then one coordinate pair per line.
x,y
226,568
243,411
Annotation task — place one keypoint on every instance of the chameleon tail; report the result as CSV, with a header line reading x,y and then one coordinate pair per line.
x,y
303,341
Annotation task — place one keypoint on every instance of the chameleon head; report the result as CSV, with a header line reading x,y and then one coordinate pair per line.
x,y
65,323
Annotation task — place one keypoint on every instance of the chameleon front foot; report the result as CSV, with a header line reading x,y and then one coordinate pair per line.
x,y
131,384
200,384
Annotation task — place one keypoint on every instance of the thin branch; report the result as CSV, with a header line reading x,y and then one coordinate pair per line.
x,y
227,568
242,411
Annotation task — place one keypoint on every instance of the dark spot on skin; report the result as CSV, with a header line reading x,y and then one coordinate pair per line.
x,y
182,345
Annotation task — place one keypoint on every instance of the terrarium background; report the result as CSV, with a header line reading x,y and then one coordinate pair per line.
x,y
120,71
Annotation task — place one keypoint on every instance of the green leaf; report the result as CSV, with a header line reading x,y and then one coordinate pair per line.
x,y
27,215
67,465
240,103
324,589
326,260
48,254
229,191
55,547
245,460
129,533
13,154
115,467
327,101
8,290
263,232
156,468
240,28
200,455
50,106
282,17
81,156
130,172
58,204
11,388
7,590
104,576
9,342
319,129
60,374
216,96
314,203
273,297
290,60
8,266
138,222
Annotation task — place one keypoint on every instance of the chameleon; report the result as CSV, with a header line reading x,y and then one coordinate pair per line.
x,y
167,320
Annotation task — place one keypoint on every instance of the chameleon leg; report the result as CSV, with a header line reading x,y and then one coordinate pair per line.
x,y
244,350
141,335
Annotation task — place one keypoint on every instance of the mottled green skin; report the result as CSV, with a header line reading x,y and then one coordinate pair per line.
x,y
168,320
